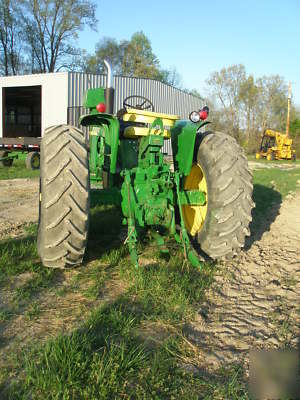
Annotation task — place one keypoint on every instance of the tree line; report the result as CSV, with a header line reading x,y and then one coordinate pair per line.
x,y
246,105
38,36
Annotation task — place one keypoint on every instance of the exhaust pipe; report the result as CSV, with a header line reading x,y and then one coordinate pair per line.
x,y
109,91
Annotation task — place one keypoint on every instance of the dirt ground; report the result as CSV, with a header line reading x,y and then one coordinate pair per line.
x,y
255,299
18,205
267,165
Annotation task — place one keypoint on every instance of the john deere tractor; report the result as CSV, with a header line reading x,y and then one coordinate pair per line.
x,y
204,202
276,146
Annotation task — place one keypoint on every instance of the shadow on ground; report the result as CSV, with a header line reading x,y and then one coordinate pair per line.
x,y
267,205
107,355
105,231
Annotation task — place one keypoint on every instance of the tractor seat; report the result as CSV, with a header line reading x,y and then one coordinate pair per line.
x,y
140,123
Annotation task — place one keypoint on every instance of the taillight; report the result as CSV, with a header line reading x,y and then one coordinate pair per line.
x,y
101,107
196,116
204,113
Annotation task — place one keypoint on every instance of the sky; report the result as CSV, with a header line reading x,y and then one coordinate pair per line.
x,y
200,37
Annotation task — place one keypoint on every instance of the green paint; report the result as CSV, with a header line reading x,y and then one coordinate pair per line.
x,y
192,197
92,98
136,177
96,154
20,155
183,136
10,155
109,131
128,153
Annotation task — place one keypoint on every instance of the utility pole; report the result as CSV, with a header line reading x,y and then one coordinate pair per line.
x,y
288,110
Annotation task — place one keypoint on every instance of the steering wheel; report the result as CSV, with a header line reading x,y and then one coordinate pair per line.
x,y
138,102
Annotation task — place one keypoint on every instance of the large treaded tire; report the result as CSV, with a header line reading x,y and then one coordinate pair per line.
x,y
64,197
229,187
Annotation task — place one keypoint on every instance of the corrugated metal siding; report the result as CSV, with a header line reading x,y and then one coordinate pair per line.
x,y
166,98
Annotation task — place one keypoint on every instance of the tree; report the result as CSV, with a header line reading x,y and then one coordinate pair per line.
x,y
131,58
272,106
10,37
109,49
139,59
195,92
247,106
295,127
171,76
225,87
51,27
249,94
295,134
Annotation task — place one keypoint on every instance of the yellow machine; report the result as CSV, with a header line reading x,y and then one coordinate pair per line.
x,y
276,146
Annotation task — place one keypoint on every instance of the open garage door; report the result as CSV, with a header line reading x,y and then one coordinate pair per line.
x,y
22,111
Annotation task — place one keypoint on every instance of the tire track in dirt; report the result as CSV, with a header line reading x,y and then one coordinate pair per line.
x,y
255,299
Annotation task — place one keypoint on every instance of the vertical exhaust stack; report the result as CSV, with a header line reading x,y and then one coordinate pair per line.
x,y
109,91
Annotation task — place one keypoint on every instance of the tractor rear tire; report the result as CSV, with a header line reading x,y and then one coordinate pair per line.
x,y
64,197
229,195
33,160
9,161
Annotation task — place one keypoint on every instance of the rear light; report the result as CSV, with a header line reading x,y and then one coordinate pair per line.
x,y
101,107
204,113
196,116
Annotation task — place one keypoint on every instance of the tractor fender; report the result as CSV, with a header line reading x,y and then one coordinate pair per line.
x,y
185,138
111,139
95,119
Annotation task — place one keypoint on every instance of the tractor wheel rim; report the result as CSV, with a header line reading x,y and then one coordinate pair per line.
x,y
194,216
35,161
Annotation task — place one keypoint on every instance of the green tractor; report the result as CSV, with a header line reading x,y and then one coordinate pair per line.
x,y
204,202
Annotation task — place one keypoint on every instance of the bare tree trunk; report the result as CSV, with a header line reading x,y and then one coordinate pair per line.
x,y
4,46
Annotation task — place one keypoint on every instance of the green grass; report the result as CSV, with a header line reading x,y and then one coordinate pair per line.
x,y
106,358
283,181
135,346
17,170
270,187
17,256
251,157
111,356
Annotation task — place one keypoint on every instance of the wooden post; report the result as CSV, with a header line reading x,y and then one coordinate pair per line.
x,y
288,110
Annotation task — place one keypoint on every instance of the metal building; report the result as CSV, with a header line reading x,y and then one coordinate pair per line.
x,y
30,103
